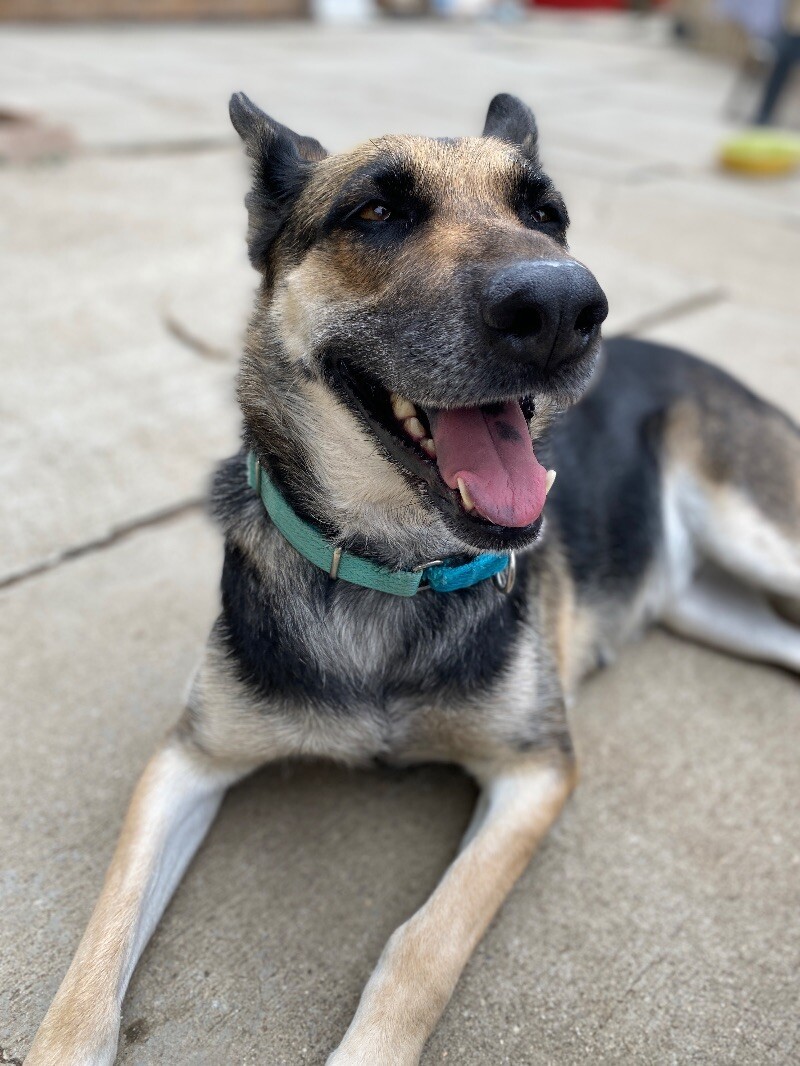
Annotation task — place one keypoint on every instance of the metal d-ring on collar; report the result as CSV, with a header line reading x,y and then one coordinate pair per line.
x,y
506,578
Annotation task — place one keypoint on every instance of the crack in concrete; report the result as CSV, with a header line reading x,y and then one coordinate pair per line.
x,y
196,344
687,306
109,540
637,978
5,1057
177,146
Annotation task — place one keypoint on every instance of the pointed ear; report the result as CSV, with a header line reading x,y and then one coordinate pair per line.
x,y
283,161
510,120
259,131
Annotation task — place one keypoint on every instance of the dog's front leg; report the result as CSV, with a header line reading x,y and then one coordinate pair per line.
x,y
172,807
423,959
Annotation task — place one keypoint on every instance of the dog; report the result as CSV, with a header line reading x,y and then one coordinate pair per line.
x,y
403,580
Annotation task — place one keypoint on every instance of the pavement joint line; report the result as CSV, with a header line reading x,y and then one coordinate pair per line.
x,y
110,540
176,146
194,343
689,305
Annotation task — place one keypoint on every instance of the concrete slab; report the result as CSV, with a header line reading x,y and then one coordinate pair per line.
x,y
638,290
130,84
656,925
138,99
105,416
695,229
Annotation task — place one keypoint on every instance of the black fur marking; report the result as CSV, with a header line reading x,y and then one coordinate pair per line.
x,y
253,628
283,162
606,499
438,645
393,184
534,190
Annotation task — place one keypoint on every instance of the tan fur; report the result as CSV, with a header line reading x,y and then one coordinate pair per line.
x,y
761,459
81,1027
750,484
570,627
424,958
469,183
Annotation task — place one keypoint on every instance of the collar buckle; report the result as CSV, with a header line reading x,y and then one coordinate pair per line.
x,y
425,566
424,585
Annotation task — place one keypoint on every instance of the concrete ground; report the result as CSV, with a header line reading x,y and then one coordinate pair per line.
x,y
659,924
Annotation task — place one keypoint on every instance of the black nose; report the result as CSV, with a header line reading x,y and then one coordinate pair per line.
x,y
544,311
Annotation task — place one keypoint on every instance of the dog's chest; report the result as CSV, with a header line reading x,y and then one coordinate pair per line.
x,y
360,646
435,678
358,674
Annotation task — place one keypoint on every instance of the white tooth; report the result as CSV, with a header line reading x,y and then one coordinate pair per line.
x,y
402,408
414,428
466,499
548,481
428,446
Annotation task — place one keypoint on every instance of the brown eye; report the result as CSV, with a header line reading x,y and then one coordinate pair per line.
x,y
544,214
375,211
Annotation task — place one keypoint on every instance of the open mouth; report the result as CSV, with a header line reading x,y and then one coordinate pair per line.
x,y
477,463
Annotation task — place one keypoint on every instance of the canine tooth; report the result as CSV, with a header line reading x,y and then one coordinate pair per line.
x,y
414,428
548,481
402,408
428,446
466,499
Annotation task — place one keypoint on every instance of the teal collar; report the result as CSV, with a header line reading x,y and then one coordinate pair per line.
x,y
310,543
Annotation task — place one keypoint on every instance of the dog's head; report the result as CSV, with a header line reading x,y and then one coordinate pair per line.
x,y
420,319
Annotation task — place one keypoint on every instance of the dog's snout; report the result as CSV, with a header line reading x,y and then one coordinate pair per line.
x,y
544,311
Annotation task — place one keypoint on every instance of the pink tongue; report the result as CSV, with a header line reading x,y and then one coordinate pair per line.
x,y
493,456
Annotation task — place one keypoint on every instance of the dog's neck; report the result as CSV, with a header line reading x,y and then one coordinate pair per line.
x,y
331,473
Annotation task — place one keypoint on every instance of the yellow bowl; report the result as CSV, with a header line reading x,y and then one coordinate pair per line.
x,y
762,153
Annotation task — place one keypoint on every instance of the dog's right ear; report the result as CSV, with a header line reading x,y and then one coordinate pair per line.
x,y
283,161
510,120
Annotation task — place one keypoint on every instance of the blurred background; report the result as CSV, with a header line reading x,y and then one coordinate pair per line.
x,y
659,923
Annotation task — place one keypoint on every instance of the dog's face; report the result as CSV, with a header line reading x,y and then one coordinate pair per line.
x,y
426,284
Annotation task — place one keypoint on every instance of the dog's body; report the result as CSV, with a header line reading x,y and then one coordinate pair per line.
x,y
677,500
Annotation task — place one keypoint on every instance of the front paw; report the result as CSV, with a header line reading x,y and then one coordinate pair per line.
x,y
373,1051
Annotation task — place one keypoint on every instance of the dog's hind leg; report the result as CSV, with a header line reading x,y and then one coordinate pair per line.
x,y
423,959
732,523
718,610
172,807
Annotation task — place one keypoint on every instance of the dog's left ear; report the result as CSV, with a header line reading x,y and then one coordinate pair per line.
x,y
283,161
510,120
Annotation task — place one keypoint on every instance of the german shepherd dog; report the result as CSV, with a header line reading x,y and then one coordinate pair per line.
x,y
419,338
